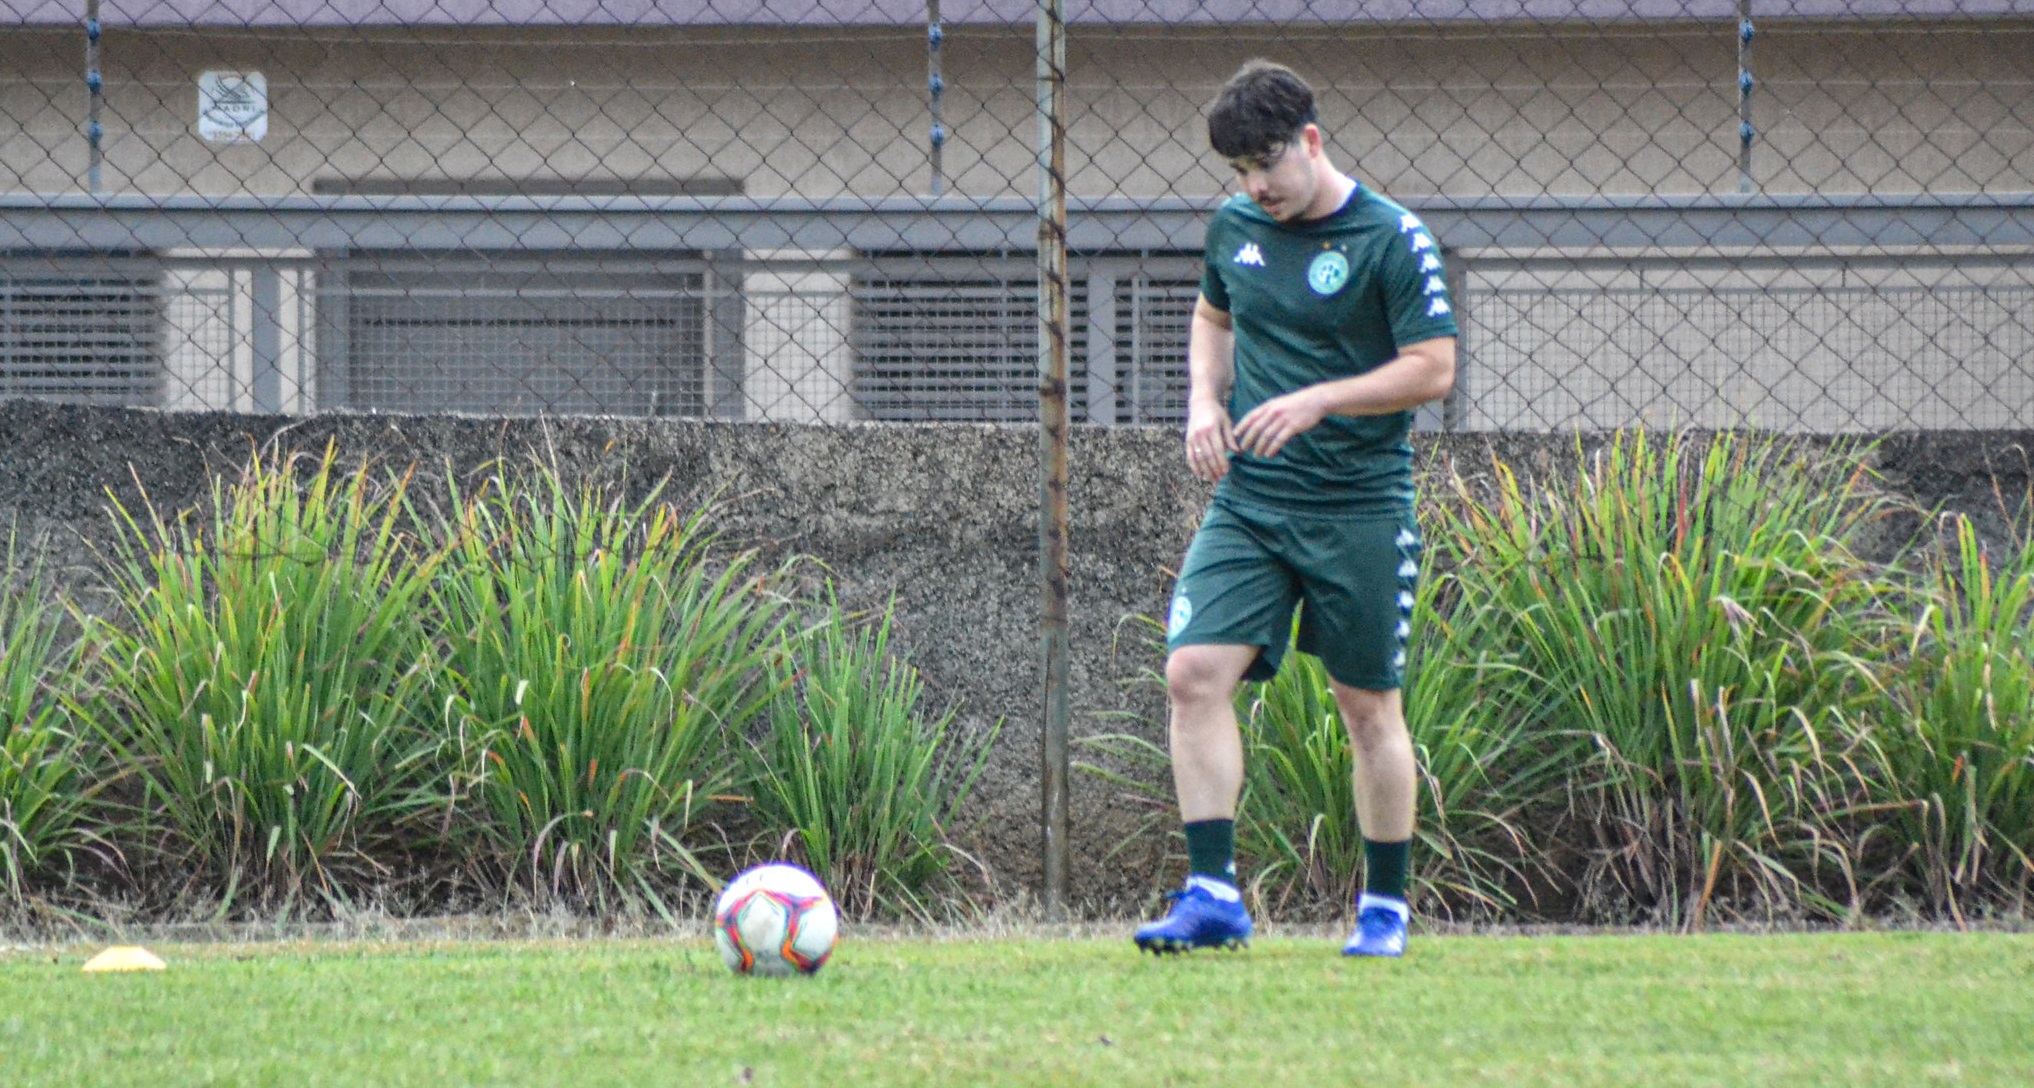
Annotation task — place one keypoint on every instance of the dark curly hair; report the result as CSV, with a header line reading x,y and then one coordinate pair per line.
x,y
1260,111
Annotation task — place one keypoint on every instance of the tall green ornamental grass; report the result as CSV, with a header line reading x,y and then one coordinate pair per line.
x,y
600,656
45,773
1686,626
1296,822
854,776
1958,750
1299,848
268,677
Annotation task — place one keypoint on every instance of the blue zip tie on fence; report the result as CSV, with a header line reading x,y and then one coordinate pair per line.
x,y
935,35
93,81
94,132
1745,132
938,135
1744,82
91,30
1744,30
938,85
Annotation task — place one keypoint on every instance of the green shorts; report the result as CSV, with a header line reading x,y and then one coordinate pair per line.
x,y
1248,568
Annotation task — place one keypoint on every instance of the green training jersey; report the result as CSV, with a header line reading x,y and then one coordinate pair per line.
x,y
1312,302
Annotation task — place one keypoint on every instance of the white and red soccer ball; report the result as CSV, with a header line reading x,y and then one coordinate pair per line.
x,y
775,919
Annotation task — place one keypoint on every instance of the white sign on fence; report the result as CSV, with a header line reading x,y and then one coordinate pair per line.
x,y
232,107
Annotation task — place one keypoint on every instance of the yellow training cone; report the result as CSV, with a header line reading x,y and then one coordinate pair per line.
x,y
124,957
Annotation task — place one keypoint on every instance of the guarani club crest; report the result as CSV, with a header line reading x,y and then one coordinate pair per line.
x,y
1328,272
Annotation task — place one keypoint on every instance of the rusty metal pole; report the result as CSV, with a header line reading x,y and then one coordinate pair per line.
x,y
1054,330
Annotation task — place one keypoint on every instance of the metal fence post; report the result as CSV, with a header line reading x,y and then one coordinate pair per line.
x,y
1053,333
1746,133
95,85
935,91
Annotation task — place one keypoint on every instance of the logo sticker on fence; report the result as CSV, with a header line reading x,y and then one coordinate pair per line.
x,y
232,107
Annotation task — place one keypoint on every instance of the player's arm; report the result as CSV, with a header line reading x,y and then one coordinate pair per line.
x,y
1211,369
1421,372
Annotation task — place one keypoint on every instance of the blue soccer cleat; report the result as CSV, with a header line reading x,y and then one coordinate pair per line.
x,y
1380,928
1202,916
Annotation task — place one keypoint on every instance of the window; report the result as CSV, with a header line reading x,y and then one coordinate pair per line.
x,y
556,336
956,338
83,336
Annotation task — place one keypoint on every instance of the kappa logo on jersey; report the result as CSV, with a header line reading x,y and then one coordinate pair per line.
x,y
1436,285
1421,242
1409,222
1430,263
1250,254
1438,307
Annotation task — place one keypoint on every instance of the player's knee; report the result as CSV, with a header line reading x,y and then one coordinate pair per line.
x,y
1196,674
1374,719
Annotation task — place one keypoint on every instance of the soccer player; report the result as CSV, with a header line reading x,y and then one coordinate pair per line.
x,y
1324,319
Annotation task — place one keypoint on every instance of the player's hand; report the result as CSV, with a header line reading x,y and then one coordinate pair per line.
x,y
1270,425
1209,441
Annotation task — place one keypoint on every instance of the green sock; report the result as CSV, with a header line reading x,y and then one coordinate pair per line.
x,y
1211,849
1384,867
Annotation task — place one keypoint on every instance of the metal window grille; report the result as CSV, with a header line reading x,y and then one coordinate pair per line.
x,y
550,337
91,337
1153,314
945,341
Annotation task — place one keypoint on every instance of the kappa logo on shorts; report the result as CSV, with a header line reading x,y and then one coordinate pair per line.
x,y
1408,569
1182,614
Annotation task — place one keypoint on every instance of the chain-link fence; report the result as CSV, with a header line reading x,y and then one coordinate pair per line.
x,y
1797,214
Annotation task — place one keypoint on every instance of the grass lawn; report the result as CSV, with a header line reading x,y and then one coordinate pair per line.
x,y
1903,1009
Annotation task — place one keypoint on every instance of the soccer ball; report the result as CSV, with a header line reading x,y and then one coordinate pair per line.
x,y
775,920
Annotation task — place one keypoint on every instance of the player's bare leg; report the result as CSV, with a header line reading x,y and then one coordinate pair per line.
x,y
1207,771
1387,781
1207,745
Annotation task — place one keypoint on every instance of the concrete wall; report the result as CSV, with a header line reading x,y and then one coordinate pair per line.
x,y
1514,109
942,517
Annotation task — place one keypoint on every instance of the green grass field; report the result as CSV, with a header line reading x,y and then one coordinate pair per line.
x,y
1901,1009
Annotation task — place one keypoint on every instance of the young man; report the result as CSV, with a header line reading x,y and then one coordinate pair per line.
x,y
1324,319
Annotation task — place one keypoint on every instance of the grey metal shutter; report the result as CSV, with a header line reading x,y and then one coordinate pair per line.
x,y
88,338
956,339
548,338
